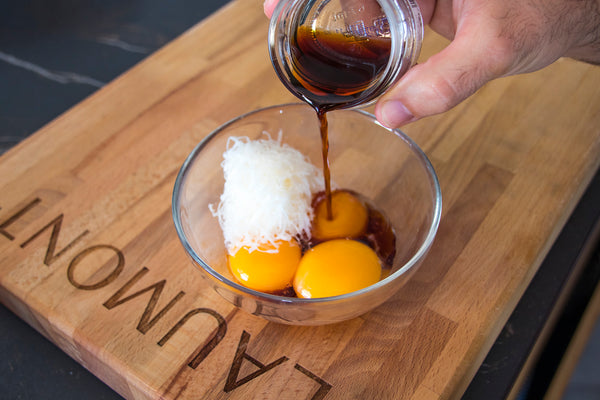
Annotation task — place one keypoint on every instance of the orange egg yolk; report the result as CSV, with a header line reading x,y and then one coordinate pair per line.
x,y
336,267
264,269
349,217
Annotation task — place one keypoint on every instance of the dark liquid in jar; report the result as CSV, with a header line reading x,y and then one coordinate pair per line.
x,y
331,69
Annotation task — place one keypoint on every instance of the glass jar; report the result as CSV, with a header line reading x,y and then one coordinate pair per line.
x,y
337,54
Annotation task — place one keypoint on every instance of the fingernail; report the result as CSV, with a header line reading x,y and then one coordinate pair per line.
x,y
394,114
268,8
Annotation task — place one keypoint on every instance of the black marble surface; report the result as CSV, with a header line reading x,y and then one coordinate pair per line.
x,y
54,53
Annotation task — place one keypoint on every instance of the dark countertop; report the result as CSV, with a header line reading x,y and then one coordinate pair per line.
x,y
54,54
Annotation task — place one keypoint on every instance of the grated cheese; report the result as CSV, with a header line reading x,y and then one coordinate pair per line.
x,y
267,193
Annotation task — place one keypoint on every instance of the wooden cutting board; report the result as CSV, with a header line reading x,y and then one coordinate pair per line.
x,y
90,258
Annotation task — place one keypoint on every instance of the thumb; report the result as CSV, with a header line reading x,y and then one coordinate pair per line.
x,y
444,80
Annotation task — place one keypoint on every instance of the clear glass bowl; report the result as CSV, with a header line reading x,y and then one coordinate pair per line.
x,y
384,165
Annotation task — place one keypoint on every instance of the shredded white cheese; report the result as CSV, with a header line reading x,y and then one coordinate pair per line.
x,y
267,193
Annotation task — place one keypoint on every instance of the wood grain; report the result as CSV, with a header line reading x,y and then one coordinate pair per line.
x,y
90,258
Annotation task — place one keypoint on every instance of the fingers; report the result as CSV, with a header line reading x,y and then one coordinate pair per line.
x,y
269,6
444,80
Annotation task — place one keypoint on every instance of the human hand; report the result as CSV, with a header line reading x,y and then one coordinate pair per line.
x,y
489,40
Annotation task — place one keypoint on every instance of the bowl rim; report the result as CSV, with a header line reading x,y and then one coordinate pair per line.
x,y
418,256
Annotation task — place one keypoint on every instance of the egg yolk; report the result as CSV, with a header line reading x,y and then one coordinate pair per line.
x,y
349,217
266,270
336,267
